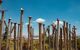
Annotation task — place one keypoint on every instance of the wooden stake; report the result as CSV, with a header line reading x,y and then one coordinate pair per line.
x,y
40,36
1,27
43,36
29,33
70,37
49,36
9,24
57,38
67,35
64,33
15,44
21,26
74,38
60,40
53,35
18,35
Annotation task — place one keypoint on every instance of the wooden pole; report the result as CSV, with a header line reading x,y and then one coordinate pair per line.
x,y
21,26
60,40
70,37
29,33
1,27
57,34
32,31
55,46
40,36
74,38
67,35
18,35
53,35
49,36
43,36
64,33
9,24
15,44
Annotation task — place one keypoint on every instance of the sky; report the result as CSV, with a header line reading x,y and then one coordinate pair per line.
x,y
49,10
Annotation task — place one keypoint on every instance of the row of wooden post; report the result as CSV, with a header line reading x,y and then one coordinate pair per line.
x,y
10,30
60,35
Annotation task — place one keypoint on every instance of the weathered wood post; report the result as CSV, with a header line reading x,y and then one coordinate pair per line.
x,y
60,40
67,35
53,35
70,37
21,26
1,27
64,34
9,24
15,44
53,29
49,36
57,34
43,36
40,22
40,35
74,38
0,34
31,37
29,33
18,37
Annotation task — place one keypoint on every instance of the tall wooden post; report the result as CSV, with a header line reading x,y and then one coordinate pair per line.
x,y
40,36
49,36
0,34
9,24
67,35
43,36
74,38
60,40
57,38
70,37
1,27
31,37
64,34
29,33
53,35
21,26
55,46
18,37
15,37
